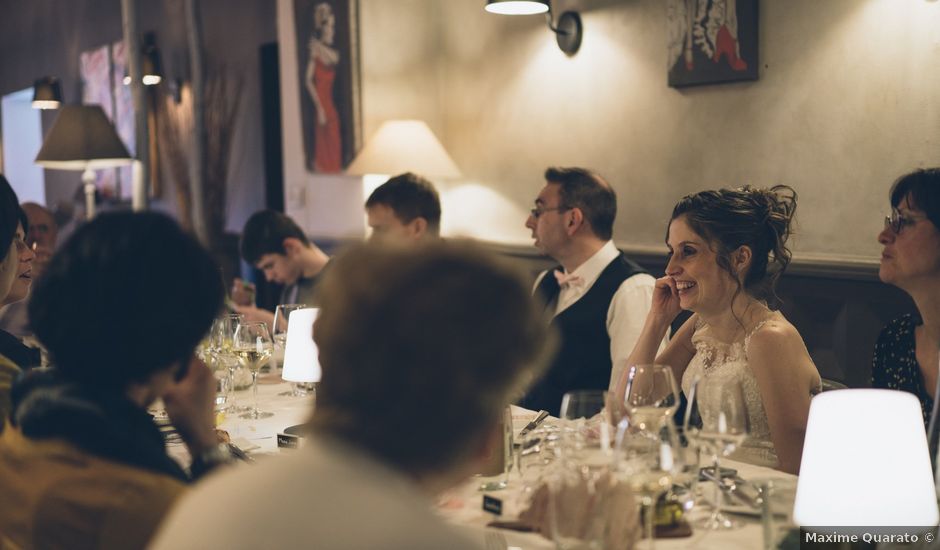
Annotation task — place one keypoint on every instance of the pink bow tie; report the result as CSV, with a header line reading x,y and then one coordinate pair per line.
x,y
569,280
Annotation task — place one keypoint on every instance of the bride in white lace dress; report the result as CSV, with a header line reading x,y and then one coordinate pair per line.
x,y
727,249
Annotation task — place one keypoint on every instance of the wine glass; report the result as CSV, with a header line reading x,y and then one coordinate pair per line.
x,y
647,462
587,432
650,395
716,421
220,350
253,347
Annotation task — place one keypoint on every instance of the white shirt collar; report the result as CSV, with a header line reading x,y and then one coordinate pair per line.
x,y
590,270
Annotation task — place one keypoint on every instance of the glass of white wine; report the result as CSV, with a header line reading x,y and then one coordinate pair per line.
x,y
252,345
716,421
220,343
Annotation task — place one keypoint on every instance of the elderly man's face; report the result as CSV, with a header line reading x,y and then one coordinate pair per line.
x,y
41,236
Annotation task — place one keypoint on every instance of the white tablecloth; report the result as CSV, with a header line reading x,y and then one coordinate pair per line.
x,y
463,505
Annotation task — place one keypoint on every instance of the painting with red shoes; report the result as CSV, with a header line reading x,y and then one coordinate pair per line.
x,y
711,41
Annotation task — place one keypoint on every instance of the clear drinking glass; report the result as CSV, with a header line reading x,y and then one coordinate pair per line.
x,y
253,347
220,340
586,429
648,462
716,421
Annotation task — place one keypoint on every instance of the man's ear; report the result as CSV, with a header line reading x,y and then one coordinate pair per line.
x,y
417,227
292,246
575,220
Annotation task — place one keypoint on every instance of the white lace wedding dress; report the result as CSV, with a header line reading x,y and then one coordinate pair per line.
x,y
716,359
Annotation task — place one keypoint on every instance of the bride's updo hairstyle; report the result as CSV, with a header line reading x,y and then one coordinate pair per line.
x,y
757,218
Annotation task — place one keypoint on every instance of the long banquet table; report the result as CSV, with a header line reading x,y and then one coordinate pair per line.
x,y
464,503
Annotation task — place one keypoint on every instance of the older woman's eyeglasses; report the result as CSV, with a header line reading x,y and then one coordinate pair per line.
x,y
897,221
537,211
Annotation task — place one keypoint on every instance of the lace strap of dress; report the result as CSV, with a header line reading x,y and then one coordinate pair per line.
x,y
747,338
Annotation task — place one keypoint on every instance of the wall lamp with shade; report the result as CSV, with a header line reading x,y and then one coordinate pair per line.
x,y
404,146
82,138
151,68
47,93
568,31
865,463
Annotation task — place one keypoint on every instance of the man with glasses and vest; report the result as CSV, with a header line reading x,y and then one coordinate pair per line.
x,y
597,298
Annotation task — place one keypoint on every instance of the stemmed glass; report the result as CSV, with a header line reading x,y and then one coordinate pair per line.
x,y
650,395
716,421
648,461
253,347
588,426
220,340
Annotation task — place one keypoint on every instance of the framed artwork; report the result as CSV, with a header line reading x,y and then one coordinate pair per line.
x,y
711,41
102,72
326,34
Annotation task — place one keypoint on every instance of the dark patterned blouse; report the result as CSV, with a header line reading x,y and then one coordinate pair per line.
x,y
895,366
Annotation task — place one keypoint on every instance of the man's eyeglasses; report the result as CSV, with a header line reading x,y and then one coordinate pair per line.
x,y
537,212
898,222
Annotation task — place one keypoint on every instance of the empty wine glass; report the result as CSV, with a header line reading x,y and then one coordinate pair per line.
x,y
220,340
588,428
252,346
716,421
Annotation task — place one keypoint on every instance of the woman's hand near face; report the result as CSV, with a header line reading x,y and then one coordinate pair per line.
x,y
665,299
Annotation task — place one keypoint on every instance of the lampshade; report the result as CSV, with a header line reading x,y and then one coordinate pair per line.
x,y
47,93
301,359
82,138
404,146
516,7
865,462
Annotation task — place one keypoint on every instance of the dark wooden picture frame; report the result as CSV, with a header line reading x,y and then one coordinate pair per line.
x,y
711,41
327,48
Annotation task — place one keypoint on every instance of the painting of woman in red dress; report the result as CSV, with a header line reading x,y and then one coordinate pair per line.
x,y
711,41
324,45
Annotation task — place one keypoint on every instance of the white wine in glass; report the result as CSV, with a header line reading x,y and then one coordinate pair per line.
x,y
252,346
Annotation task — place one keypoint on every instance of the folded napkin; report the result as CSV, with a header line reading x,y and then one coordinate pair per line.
x,y
593,508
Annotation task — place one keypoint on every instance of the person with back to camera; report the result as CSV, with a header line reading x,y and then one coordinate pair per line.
x,y
82,464
727,249
906,353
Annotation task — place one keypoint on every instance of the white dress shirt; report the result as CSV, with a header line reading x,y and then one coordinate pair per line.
x,y
628,307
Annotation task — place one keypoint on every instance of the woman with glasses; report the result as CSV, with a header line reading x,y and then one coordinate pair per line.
x,y
906,352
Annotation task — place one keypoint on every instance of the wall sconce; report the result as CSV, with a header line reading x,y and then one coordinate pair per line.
x,y
47,93
150,66
567,32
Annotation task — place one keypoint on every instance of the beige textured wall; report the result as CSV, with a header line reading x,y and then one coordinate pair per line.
x,y
848,98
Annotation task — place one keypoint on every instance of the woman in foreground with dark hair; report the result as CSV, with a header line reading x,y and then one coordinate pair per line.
x,y
727,250
906,353
120,309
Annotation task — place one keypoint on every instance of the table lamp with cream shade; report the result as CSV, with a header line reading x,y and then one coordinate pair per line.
x,y
865,464
400,146
301,359
82,138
